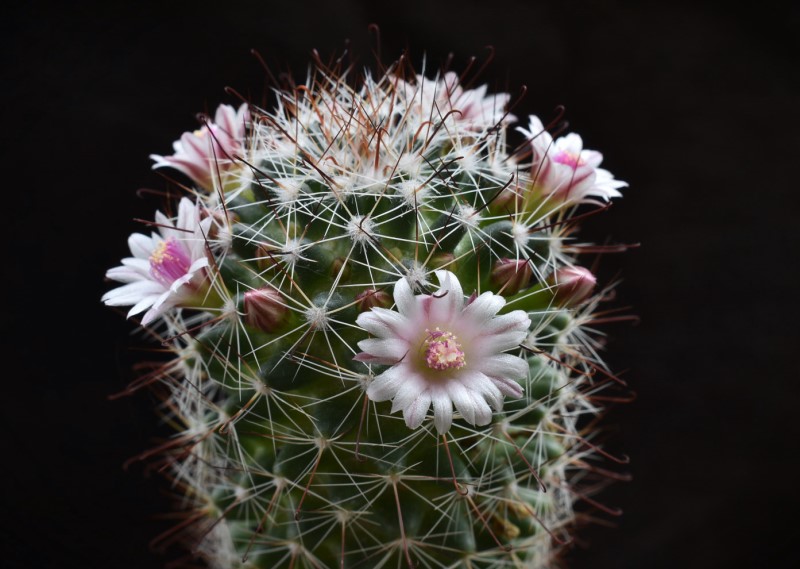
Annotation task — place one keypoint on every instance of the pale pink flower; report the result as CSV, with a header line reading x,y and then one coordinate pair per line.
x,y
167,269
564,171
210,150
445,352
472,109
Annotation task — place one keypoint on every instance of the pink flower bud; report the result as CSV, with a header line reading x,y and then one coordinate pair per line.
x,y
511,275
264,309
572,285
372,298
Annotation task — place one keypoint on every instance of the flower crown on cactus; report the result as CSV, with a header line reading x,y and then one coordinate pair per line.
x,y
384,353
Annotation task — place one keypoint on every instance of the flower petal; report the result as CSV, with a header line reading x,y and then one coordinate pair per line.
x,y
142,305
198,243
591,158
464,404
178,283
226,119
407,392
141,246
382,323
504,365
128,273
508,386
415,413
161,305
448,301
366,358
480,383
442,412
487,345
385,386
484,308
483,413
166,227
141,266
389,350
404,298
513,321
131,293
187,216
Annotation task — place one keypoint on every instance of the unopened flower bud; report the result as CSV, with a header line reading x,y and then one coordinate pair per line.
x,y
264,309
372,298
572,285
511,275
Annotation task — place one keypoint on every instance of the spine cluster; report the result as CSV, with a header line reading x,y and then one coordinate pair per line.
x,y
384,353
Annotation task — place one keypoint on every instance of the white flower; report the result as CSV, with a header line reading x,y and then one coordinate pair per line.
x,y
209,150
564,171
167,269
445,353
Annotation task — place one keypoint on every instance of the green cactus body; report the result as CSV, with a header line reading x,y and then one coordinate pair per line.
x,y
308,218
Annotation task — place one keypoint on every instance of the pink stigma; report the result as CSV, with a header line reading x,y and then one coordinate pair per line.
x,y
443,351
169,262
568,159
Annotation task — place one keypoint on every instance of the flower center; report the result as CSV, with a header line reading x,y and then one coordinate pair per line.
x,y
568,159
169,262
442,351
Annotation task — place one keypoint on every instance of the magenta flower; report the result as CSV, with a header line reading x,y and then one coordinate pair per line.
x,y
209,151
167,269
445,352
563,171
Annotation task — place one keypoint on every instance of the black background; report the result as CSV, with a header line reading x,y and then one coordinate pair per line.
x,y
695,106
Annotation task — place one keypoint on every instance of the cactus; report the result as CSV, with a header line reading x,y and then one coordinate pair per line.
x,y
383,352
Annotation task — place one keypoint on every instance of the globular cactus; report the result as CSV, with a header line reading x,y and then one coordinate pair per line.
x,y
383,352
